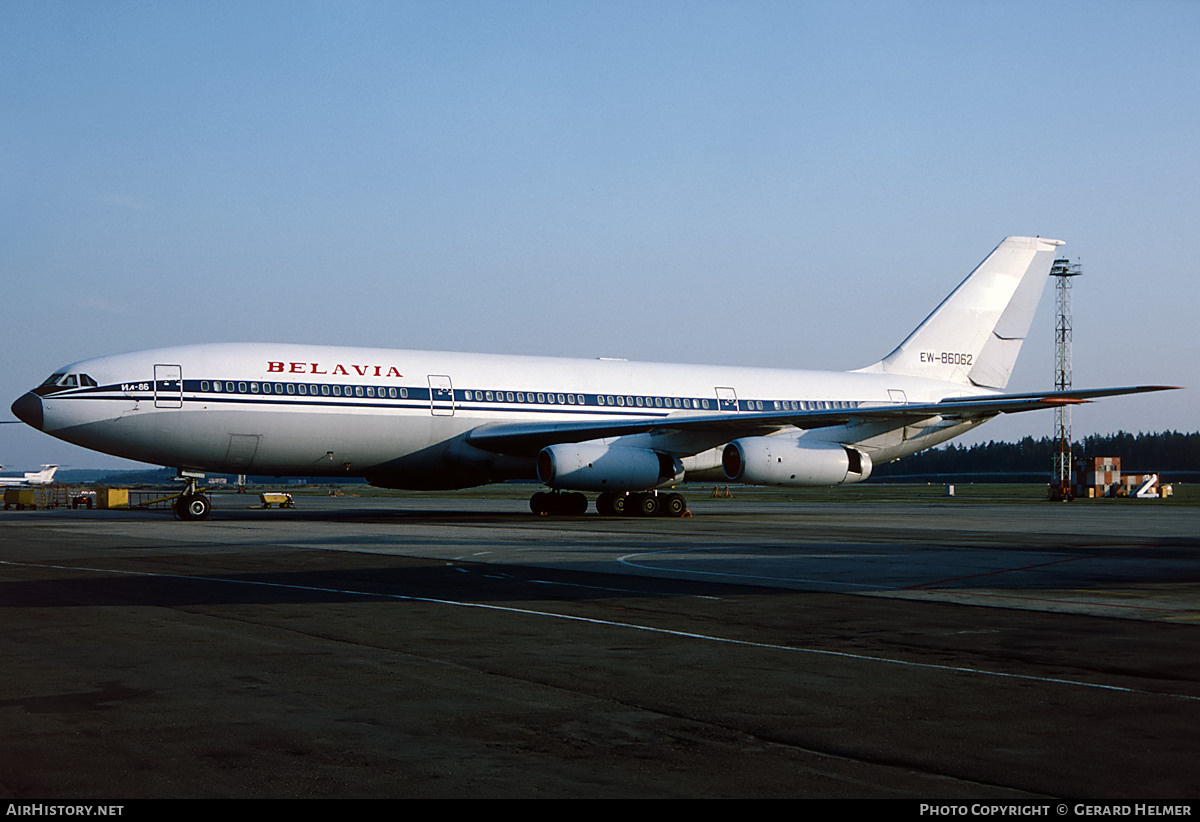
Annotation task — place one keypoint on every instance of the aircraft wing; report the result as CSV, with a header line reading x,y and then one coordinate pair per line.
x,y
710,430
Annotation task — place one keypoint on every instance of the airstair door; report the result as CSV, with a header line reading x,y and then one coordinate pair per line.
x,y
441,396
168,386
726,399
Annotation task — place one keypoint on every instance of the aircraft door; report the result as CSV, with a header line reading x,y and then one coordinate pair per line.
x,y
441,396
168,386
726,399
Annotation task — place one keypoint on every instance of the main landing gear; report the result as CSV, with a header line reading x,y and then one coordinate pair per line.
x,y
609,504
191,504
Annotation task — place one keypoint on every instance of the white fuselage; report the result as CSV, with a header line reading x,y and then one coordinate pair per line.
x,y
399,417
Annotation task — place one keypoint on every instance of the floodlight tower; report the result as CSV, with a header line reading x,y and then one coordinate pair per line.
x,y
1063,271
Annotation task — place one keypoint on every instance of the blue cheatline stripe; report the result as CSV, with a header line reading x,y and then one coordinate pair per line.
x,y
420,397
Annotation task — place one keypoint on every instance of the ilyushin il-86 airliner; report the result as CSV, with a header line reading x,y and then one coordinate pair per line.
x,y
630,431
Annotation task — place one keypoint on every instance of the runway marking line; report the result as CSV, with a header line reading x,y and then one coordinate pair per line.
x,y
626,625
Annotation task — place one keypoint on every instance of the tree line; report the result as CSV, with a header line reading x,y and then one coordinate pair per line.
x,y
1139,453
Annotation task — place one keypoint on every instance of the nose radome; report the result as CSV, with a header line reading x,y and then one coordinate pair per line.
x,y
28,409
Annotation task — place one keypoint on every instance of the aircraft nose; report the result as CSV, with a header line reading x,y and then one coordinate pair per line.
x,y
28,409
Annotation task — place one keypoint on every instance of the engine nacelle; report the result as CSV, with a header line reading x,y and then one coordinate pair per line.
x,y
595,466
792,461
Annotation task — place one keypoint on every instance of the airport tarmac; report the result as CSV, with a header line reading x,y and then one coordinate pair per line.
x,y
461,647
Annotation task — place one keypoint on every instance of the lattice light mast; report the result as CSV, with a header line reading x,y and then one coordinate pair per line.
x,y
1064,272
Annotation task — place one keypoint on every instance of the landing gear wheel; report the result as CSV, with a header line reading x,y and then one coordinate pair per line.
x,y
612,504
673,505
547,504
645,505
620,505
192,507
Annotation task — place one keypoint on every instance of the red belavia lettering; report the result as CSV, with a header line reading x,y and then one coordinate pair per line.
x,y
278,367
629,431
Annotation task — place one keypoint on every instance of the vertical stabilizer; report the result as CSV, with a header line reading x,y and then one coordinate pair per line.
x,y
974,336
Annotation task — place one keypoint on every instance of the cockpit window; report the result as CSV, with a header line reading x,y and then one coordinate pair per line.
x,y
61,380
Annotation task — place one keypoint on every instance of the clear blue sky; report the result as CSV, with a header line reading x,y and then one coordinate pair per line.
x,y
762,183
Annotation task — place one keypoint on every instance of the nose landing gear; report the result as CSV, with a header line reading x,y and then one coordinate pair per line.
x,y
191,504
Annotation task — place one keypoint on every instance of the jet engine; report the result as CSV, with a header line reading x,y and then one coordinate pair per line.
x,y
596,466
793,461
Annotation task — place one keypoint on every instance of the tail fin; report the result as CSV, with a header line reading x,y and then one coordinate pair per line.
x,y
974,336
43,477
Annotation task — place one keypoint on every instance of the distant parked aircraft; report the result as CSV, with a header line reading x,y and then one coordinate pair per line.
x,y
43,477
